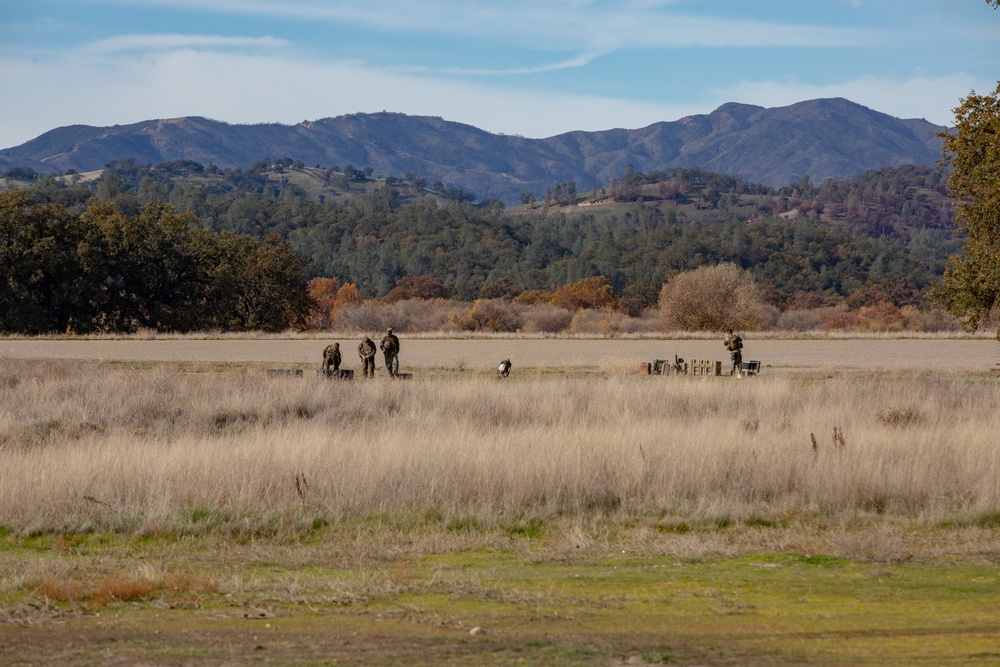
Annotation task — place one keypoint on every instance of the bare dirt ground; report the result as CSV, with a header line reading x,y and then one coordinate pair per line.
x,y
483,354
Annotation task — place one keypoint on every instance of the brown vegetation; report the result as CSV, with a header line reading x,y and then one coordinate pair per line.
x,y
713,298
91,447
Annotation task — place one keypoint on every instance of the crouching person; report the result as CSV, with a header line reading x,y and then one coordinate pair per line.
x,y
331,359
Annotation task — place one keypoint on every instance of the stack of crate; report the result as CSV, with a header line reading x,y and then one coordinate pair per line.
x,y
666,367
704,367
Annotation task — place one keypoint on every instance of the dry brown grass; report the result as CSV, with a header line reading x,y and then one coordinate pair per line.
x,y
173,589
161,451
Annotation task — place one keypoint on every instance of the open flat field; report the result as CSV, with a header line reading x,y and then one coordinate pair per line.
x,y
869,353
165,502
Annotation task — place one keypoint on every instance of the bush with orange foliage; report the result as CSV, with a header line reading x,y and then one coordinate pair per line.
x,y
595,293
491,315
533,296
322,294
347,295
880,317
329,296
417,287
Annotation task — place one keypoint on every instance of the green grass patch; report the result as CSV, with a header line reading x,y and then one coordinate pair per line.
x,y
395,598
532,528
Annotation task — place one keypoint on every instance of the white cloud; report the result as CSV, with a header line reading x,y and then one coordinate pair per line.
x,y
574,25
241,88
580,60
178,41
120,85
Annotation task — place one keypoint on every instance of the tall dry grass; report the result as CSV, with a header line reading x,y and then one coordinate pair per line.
x,y
88,446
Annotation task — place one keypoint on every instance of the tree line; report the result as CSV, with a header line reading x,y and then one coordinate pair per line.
x,y
103,270
233,249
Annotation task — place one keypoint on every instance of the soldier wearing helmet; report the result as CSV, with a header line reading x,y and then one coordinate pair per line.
x,y
366,350
331,359
390,348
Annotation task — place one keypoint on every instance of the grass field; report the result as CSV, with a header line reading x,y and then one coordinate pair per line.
x,y
185,511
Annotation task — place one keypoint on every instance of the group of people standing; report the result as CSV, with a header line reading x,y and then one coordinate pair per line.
x,y
366,352
390,350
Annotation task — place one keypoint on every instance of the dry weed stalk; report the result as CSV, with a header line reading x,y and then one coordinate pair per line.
x,y
900,417
301,487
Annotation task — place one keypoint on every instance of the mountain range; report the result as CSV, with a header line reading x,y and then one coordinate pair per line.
x,y
817,139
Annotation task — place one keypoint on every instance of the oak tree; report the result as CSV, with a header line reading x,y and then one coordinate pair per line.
x,y
970,287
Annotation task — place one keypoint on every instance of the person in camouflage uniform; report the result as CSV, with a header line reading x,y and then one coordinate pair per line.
x,y
366,350
734,344
331,359
390,348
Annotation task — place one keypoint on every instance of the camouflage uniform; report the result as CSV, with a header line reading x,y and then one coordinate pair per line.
x,y
331,358
734,344
366,350
503,370
390,348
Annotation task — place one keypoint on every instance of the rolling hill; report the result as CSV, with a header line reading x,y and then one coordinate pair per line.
x,y
815,139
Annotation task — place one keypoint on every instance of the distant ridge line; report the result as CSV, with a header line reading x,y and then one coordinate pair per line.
x,y
817,139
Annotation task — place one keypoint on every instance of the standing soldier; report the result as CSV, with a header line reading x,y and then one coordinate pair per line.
x,y
390,348
734,344
366,350
331,359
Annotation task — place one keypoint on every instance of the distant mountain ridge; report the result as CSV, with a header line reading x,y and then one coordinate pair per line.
x,y
774,146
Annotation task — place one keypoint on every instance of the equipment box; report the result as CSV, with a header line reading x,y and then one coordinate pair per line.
x,y
704,367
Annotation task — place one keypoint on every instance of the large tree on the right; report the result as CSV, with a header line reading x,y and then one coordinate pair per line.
x,y
971,284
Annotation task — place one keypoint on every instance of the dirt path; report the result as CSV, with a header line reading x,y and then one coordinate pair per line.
x,y
979,354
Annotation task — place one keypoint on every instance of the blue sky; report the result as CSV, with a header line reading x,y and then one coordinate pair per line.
x,y
530,67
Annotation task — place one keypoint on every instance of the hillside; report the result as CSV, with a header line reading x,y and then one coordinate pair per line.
x,y
817,139
884,227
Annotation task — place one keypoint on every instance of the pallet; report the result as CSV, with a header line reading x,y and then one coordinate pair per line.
x,y
284,373
342,374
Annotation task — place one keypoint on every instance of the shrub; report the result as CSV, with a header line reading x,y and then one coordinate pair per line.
x,y
596,293
411,315
935,319
490,315
417,287
323,296
545,318
838,318
880,317
533,296
798,320
712,298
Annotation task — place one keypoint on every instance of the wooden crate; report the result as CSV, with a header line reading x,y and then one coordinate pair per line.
x,y
704,367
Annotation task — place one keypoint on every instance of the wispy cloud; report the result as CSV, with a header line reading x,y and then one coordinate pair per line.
x,y
558,24
239,87
580,60
287,61
178,41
